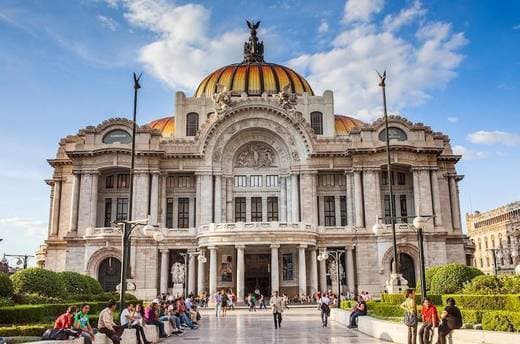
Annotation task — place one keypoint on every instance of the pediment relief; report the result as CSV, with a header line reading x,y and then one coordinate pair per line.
x,y
255,155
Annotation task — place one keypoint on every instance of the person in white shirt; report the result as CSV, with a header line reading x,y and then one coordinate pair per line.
x,y
325,309
277,304
130,319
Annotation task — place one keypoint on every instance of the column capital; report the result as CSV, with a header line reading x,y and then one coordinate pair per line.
x,y
303,246
240,247
349,171
349,247
164,250
275,245
212,248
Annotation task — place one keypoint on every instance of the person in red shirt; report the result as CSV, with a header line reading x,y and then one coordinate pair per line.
x,y
430,319
64,321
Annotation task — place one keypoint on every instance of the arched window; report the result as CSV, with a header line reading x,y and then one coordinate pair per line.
x,y
192,123
317,122
479,244
394,133
117,135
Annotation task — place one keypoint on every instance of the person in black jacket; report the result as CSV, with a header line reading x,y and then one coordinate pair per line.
x,y
451,319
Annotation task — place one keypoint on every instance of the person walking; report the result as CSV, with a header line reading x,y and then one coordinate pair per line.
x,y
218,303
430,319
451,319
410,317
277,305
325,309
224,302
262,302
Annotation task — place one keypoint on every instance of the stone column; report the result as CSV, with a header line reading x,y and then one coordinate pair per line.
x,y
288,185
56,205
206,196
436,198
212,270
422,192
165,257
283,199
275,273
218,198
337,210
74,202
323,275
229,199
454,198
350,199
200,275
372,196
349,263
240,273
162,199
191,272
295,198
154,199
198,196
358,199
302,270
308,197
314,271
93,201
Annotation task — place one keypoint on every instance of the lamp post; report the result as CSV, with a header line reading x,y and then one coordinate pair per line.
x,y
22,258
382,84
336,256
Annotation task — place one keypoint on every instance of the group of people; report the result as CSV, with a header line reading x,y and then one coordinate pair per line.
x,y
179,312
450,319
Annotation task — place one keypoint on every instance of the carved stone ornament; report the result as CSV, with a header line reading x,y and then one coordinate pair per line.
x,y
295,156
222,99
333,271
285,98
256,155
177,273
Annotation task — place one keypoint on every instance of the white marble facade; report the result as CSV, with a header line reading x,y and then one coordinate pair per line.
x,y
257,191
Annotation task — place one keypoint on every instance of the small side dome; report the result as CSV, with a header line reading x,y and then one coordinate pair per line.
x,y
166,125
344,124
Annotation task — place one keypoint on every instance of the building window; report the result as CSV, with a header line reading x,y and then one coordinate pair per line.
x,y
481,263
169,213
108,212
256,209
256,181
479,245
486,243
388,216
340,180
271,181
330,210
394,133
343,209
272,208
401,178
385,178
240,209
487,262
404,210
109,182
117,136
122,209
185,182
287,267
240,181
183,213
326,180
123,181
192,123
317,122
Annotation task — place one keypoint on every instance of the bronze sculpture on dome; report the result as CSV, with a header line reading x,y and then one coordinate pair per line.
x,y
253,49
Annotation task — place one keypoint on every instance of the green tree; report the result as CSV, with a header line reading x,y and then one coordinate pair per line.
x,y
6,285
38,281
451,278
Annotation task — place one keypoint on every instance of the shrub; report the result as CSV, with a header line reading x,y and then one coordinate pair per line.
x,y
452,277
93,285
28,330
429,273
397,299
385,310
511,284
38,281
347,304
485,285
471,316
501,321
34,299
486,302
73,282
6,285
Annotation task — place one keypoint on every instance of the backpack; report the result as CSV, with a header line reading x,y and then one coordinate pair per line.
x,y
325,308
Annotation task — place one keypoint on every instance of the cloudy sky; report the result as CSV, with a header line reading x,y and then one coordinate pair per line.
x,y
453,65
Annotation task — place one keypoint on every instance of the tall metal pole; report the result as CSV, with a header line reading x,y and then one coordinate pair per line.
x,y
420,240
127,229
389,174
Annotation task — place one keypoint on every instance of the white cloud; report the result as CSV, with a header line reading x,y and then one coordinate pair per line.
x,y
324,27
415,65
516,27
184,51
453,119
495,137
108,22
469,154
361,10
26,226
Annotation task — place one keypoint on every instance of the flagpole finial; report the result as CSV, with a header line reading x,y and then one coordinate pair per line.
x,y
136,81
382,78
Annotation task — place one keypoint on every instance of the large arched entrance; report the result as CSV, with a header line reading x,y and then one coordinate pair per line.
x,y
109,275
406,268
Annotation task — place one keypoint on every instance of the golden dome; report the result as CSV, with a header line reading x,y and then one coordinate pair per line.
x,y
344,124
253,75
166,125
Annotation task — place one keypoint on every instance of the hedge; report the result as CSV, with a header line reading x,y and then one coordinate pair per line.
x,y
38,281
397,299
492,285
486,302
6,285
26,314
28,330
451,278
501,321
347,304
469,316
385,310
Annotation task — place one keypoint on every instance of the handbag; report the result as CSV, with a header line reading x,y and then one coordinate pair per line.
x,y
410,319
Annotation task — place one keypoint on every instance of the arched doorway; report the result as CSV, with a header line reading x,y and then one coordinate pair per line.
x,y
406,268
109,275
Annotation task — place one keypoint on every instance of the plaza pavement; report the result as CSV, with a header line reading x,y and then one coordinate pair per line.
x,y
300,325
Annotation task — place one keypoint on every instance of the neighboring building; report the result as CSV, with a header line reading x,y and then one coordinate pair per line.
x,y
256,173
496,235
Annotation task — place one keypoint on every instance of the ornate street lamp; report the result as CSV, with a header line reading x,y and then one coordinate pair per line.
x,y
336,256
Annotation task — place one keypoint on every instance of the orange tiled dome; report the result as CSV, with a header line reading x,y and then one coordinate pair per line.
x,y
166,125
344,124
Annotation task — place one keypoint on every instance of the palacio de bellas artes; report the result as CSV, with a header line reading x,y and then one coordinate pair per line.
x,y
246,183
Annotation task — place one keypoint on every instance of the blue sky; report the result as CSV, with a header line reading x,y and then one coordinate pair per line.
x,y
453,65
